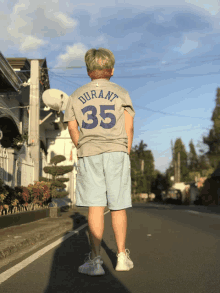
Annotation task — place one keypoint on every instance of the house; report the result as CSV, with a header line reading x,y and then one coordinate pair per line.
x,y
17,167
182,187
189,191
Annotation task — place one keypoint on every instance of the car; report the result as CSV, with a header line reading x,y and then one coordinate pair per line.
x,y
174,194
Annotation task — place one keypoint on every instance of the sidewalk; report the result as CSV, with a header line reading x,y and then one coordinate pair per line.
x,y
17,238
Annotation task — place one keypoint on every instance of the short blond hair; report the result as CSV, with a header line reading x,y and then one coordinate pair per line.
x,y
99,59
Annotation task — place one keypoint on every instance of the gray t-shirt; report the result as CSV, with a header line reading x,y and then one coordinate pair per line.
x,y
98,107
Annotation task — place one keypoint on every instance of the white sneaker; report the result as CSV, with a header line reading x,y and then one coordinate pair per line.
x,y
92,267
124,262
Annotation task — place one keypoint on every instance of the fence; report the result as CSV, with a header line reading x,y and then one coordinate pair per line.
x,y
24,171
17,169
14,169
4,157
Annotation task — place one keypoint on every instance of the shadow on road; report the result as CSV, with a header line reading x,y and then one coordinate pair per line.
x,y
71,253
156,205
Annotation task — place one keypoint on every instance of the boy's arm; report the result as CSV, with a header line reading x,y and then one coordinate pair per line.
x,y
73,131
129,127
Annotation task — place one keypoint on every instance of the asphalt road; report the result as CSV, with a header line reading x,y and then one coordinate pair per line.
x,y
173,250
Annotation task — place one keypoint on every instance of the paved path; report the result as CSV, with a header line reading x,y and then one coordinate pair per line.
x,y
173,251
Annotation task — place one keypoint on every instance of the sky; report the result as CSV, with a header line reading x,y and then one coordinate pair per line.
x,y
166,56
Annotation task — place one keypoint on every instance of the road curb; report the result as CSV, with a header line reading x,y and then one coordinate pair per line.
x,y
46,231
47,234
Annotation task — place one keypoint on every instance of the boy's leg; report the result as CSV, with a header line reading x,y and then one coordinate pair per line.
x,y
96,229
119,225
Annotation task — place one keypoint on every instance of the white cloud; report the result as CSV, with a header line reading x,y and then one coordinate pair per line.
x,y
74,56
187,46
29,22
67,21
31,43
212,6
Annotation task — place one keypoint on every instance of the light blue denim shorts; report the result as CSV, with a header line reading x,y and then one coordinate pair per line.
x,y
104,180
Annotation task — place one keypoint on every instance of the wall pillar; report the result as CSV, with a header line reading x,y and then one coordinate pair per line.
x,y
10,167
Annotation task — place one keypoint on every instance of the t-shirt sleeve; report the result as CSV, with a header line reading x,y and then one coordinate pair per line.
x,y
127,104
69,114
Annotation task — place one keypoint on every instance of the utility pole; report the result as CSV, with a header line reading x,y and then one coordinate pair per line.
x,y
173,161
34,117
179,167
142,166
175,172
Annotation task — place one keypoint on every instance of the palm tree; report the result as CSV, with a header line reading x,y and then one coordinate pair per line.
x,y
140,149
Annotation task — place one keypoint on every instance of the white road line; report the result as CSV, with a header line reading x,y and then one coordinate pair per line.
x,y
160,206
10,272
193,212
204,214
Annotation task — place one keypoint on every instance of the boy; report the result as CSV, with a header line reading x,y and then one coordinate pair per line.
x,y
104,112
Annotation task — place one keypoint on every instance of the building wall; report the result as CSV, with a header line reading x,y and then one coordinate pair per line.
x,y
25,120
9,101
43,135
193,193
20,116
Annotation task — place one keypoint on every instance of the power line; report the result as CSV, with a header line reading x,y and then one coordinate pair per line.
x,y
14,107
53,74
63,82
148,75
145,108
164,129
176,61
165,113
44,68
139,63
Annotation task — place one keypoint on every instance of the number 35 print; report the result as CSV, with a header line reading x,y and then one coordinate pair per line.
x,y
94,118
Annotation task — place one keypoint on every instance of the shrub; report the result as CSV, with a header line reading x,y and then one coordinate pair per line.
x,y
40,192
25,196
136,198
57,182
11,195
3,195
19,196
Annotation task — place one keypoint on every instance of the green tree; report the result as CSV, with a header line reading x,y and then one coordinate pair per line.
x,y
149,170
141,181
170,173
212,140
192,158
179,147
140,149
160,183
57,185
